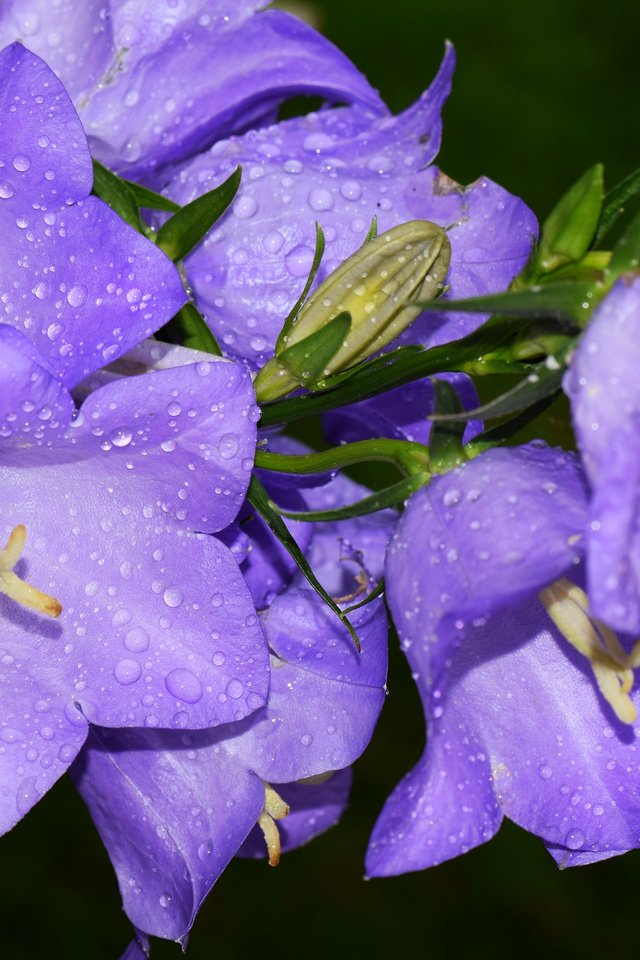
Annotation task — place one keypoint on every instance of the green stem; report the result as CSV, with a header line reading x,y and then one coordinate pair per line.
x,y
410,458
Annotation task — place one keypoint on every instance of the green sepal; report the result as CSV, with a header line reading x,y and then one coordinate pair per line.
x,y
318,253
626,253
259,499
503,432
377,591
308,359
372,232
568,231
190,329
445,442
544,380
149,199
117,194
186,228
615,202
391,496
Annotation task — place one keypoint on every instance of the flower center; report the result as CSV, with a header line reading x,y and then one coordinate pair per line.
x,y
17,589
568,607
274,809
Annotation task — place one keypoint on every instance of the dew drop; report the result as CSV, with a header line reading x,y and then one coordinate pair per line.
x,y
127,671
184,685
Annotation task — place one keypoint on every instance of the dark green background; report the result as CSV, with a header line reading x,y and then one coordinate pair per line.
x,y
542,91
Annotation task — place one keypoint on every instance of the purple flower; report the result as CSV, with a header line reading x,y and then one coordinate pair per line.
x,y
522,715
605,400
157,625
341,168
155,83
77,282
174,807
105,515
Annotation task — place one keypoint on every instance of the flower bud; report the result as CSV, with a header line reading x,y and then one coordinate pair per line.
x,y
360,308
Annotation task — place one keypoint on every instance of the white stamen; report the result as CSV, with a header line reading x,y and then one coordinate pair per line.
x,y
274,809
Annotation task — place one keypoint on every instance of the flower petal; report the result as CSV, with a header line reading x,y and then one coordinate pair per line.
x,y
480,538
79,308
172,810
605,401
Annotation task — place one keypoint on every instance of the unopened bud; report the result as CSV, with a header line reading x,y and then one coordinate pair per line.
x,y
360,308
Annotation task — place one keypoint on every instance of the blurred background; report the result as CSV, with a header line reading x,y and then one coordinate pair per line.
x,y
542,91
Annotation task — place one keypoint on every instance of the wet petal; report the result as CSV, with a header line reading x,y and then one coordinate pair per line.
x,y
77,281
574,779
183,805
313,808
480,538
324,698
32,399
605,401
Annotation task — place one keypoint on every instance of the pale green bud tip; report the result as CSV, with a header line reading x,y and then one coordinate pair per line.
x,y
379,287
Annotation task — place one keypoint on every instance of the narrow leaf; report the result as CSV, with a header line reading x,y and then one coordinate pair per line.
x,y
189,328
372,232
505,431
186,228
626,253
562,301
259,499
149,199
315,266
569,229
391,496
615,202
117,194
377,591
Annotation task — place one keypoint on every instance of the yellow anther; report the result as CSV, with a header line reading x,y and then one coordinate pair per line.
x,y
19,590
612,666
274,809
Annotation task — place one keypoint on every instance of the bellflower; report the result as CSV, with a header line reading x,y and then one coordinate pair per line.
x,y
605,399
173,807
104,515
526,695
341,167
156,81
77,282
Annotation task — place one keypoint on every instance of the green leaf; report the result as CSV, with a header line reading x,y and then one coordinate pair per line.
x,y
186,228
615,202
564,300
117,194
503,432
569,229
189,328
295,310
259,499
149,199
626,253
308,359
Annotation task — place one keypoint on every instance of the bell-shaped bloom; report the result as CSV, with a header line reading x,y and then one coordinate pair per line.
x,y
108,519
155,82
174,807
77,282
605,400
340,168
519,722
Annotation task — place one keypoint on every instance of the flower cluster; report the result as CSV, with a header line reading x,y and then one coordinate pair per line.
x,y
193,602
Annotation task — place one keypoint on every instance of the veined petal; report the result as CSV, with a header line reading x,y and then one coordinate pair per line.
x,y
605,401
79,283
480,538
184,806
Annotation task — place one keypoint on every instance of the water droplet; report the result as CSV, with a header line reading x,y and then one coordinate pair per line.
x,y
184,685
121,437
172,596
21,162
76,295
228,445
234,689
245,207
6,190
127,671
320,199
545,772
351,190
165,900
136,640
204,851
575,839
298,261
